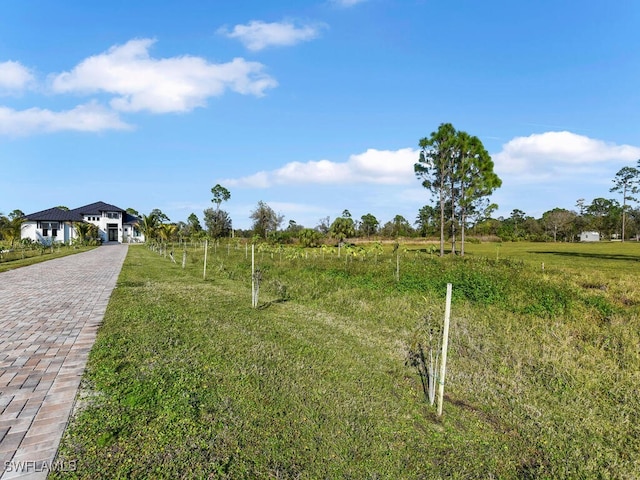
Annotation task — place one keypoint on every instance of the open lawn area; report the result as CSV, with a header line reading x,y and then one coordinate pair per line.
x,y
187,380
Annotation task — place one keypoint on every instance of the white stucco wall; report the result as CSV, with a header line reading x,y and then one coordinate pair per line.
x,y
589,237
30,230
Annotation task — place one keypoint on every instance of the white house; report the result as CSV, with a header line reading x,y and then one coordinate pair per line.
x,y
589,237
56,225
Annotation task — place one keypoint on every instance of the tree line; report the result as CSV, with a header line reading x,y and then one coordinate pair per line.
x,y
455,169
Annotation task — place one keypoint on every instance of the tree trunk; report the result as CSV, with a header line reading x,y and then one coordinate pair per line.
x,y
462,229
453,220
624,208
441,223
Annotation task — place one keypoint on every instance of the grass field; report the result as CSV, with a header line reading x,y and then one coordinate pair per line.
x,y
186,380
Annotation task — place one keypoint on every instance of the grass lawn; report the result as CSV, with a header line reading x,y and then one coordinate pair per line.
x,y
186,380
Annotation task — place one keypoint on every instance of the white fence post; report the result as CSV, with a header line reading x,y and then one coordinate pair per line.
x,y
206,248
443,358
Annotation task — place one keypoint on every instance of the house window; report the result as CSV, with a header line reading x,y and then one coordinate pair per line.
x,y
46,226
113,215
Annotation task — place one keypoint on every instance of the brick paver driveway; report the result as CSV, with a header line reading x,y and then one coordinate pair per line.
x,y
49,316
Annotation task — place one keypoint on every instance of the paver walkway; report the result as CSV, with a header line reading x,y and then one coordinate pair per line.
x,y
49,316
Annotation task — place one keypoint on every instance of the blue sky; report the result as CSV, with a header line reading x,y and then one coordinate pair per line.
x,y
311,106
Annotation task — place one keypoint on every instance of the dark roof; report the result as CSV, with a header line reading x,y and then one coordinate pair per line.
x,y
128,218
97,208
55,215
76,215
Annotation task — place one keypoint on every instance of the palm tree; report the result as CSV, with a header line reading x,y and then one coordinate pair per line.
x,y
87,232
166,231
3,222
149,225
11,229
82,230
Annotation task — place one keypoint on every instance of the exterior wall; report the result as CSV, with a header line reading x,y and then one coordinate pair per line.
x,y
589,237
65,232
131,234
103,221
113,218
29,230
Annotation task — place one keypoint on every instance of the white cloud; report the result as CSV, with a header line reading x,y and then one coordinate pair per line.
x,y
14,77
373,166
90,117
258,35
175,84
550,154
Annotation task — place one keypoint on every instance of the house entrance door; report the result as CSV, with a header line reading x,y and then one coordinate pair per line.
x,y
112,233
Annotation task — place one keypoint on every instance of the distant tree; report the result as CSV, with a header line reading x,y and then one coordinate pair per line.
x,y
369,225
161,217
220,194
132,211
633,223
580,222
343,227
401,227
309,237
531,228
481,212
218,223
626,181
603,215
517,217
294,228
324,224
434,168
397,227
193,226
62,207
17,213
474,177
290,234
559,220
427,221
265,220
182,229
456,168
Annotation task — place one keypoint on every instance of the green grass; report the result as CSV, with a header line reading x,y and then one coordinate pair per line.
x,y
186,380
610,257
